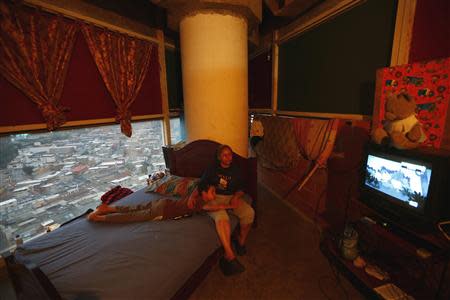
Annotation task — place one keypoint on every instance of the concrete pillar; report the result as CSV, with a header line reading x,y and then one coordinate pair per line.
x,y
214,66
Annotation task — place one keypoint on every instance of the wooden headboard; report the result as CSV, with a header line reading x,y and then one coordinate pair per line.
x,y
193,159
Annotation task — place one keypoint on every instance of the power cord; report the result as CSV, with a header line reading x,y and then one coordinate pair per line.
x,y
336,279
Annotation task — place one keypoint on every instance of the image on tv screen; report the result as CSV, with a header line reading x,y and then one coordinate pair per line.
x,y
402,180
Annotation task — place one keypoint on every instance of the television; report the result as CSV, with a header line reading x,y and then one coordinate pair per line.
x,y
410,188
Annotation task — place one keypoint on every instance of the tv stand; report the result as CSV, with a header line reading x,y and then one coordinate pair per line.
x,y
395,252
422,237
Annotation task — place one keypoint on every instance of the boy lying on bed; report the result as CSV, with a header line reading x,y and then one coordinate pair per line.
x,y
162,209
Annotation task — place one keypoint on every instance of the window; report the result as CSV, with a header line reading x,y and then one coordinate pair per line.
x,y
50,178
175,130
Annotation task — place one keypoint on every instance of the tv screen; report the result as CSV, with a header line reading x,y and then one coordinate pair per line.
x,y
401,181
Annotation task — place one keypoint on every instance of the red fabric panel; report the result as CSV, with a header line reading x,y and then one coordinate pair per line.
x,y
84,84
344,171
149,100
84,93
260,81
19,108
431,31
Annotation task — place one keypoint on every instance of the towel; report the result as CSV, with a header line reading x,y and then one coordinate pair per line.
x,y
115,194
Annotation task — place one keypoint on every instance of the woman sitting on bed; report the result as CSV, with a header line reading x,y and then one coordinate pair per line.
x,y
162,209
227,178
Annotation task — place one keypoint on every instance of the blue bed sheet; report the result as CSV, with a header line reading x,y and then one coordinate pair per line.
x,y
147,260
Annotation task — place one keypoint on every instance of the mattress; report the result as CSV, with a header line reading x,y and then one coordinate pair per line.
x,y
147,260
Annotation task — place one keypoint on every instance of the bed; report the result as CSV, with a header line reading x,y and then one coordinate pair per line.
x,y
148,260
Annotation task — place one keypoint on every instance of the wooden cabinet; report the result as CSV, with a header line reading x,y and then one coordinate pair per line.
x,y
395,252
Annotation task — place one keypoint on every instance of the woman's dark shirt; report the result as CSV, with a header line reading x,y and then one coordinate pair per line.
x,y
226,180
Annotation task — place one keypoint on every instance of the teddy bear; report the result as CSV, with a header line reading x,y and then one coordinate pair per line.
x,y
155,176
401,129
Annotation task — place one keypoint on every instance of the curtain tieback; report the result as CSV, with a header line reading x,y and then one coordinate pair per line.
x,y
124,118
53,115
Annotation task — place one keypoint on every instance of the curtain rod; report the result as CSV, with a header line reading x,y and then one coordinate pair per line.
x,y
86,19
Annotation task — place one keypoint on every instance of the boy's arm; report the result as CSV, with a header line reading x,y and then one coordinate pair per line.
x,y
192,201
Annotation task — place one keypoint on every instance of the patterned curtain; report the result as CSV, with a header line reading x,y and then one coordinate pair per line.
x,y
123,62
35,50
315,139
314,136
278,149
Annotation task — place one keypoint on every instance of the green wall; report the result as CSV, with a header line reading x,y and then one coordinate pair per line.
x,y
174,81
331,68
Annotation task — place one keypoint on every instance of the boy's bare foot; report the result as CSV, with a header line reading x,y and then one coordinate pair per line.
x,y
104,209
96,217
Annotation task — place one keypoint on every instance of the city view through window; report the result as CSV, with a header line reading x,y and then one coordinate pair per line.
x,y
175,130
50,178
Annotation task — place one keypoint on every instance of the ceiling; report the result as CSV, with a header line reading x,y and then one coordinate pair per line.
x,y
279,13
276,13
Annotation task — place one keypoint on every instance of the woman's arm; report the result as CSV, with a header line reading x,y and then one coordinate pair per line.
x,y
235,200
215,207
238,194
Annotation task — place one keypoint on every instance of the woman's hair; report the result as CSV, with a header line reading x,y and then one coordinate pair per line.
x,y
220,149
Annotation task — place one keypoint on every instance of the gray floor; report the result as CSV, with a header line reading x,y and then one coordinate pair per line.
x,y
283,262
6,291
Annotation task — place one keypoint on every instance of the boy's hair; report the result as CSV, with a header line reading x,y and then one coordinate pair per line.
x,y
203,186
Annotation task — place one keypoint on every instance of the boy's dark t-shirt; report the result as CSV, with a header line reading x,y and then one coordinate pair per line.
x,y
226,180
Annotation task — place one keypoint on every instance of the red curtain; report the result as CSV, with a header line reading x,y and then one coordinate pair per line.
x,y
123,62
35,50
431,31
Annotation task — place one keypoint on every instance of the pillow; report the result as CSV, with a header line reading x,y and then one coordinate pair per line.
x,y
171,185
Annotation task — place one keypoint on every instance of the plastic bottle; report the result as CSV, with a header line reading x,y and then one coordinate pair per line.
x,y
19,240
